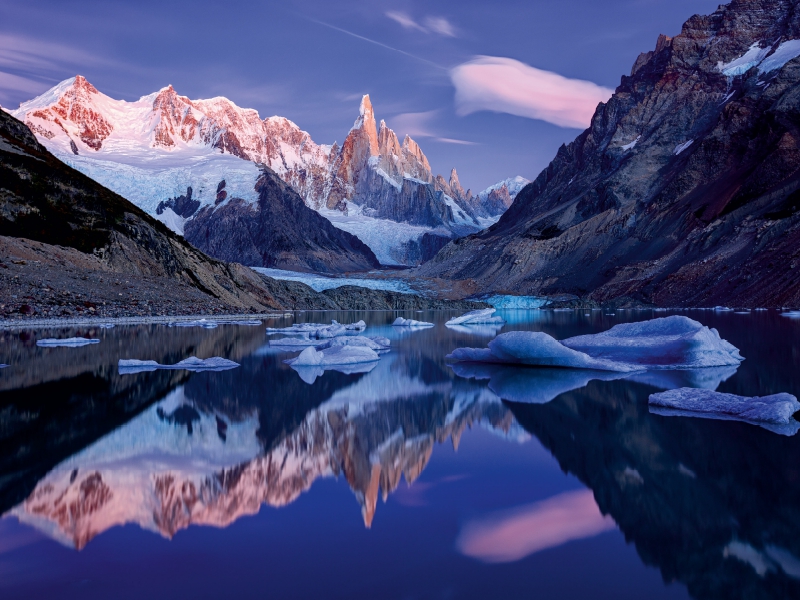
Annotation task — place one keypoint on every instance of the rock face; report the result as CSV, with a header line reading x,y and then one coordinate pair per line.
x,y
155,150
279,231
683,191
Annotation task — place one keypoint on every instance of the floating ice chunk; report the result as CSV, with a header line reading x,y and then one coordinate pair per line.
x,y
483,316
319,330
3,366
530,386
128,366
74,342
334,356
401,322
535,348
377,343
792,314
106,325
722,309
777,409
675,342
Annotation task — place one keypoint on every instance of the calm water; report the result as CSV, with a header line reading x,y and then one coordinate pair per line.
x,y
409,481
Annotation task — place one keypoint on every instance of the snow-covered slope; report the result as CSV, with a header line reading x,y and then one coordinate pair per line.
x,y
165,146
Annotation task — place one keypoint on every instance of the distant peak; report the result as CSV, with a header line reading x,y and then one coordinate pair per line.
x,y
366,105
81,83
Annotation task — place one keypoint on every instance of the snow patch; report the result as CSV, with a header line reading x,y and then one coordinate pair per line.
x,y
681,147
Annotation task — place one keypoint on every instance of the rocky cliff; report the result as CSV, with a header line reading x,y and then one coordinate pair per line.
x,y
684,189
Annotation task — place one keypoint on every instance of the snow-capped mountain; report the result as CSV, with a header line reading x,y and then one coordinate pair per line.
x,y
172,156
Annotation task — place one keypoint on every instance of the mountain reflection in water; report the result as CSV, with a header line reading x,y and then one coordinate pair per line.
x,y
713,505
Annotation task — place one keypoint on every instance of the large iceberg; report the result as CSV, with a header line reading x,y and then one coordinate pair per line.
x,y
128,366
777,409
401,322
483,316
669,343
334,356
674,342
534,348
74,342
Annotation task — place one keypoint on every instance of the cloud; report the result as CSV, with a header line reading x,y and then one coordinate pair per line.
x,y
438,25
418,125
10,82
441,26
526,530
507,85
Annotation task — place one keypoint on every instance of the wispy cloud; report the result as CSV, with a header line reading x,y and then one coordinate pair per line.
x,y
438,25
418,125
507,85
518,533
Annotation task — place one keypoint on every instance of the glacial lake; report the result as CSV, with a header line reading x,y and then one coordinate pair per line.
x,y
412,480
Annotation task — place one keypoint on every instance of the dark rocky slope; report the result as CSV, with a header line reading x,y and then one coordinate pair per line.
x,y
684,190
279,231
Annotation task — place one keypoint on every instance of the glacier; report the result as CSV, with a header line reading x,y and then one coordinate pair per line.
x,y
320,283
520,302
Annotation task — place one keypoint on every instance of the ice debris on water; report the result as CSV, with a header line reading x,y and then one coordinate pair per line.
x,y
213,323
483,316
674,342
377,343
106,325
334,356
777,409
319,330
127,366
792,314
74,342
401,322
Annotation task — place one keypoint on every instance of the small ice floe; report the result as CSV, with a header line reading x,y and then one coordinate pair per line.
x,y
3,366
792,314
320,330
761,309
106,325
334,356
213,323
401,322
128,366
674,342
484,316
775,412
74,342
722,309
530,386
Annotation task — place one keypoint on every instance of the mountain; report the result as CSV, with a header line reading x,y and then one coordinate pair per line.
x,y
683,191
81,237
173,156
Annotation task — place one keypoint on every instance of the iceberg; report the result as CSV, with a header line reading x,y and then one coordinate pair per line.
x,y
377,343
320,330
401,322
530,386
106,325
792,314
129,366
777,409
482,316
674,342
334,356
74,342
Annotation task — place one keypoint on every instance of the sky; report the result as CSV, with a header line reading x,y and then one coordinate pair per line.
x,y
490,88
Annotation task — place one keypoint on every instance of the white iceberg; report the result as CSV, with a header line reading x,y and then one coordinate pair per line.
x,y
792,314
401,322
319,330
334,356
377,343
675,342
483,316
106,325
74,342
777,409
129,366
534,348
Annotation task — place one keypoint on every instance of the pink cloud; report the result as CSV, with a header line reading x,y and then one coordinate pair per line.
x,y
507,85
529,529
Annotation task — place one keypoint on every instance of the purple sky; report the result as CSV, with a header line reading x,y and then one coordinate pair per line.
x,y
431,68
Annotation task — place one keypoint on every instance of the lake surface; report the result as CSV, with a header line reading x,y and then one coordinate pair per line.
x,y
412,480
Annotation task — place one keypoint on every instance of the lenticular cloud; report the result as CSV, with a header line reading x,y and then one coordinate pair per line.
x,y
507,85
